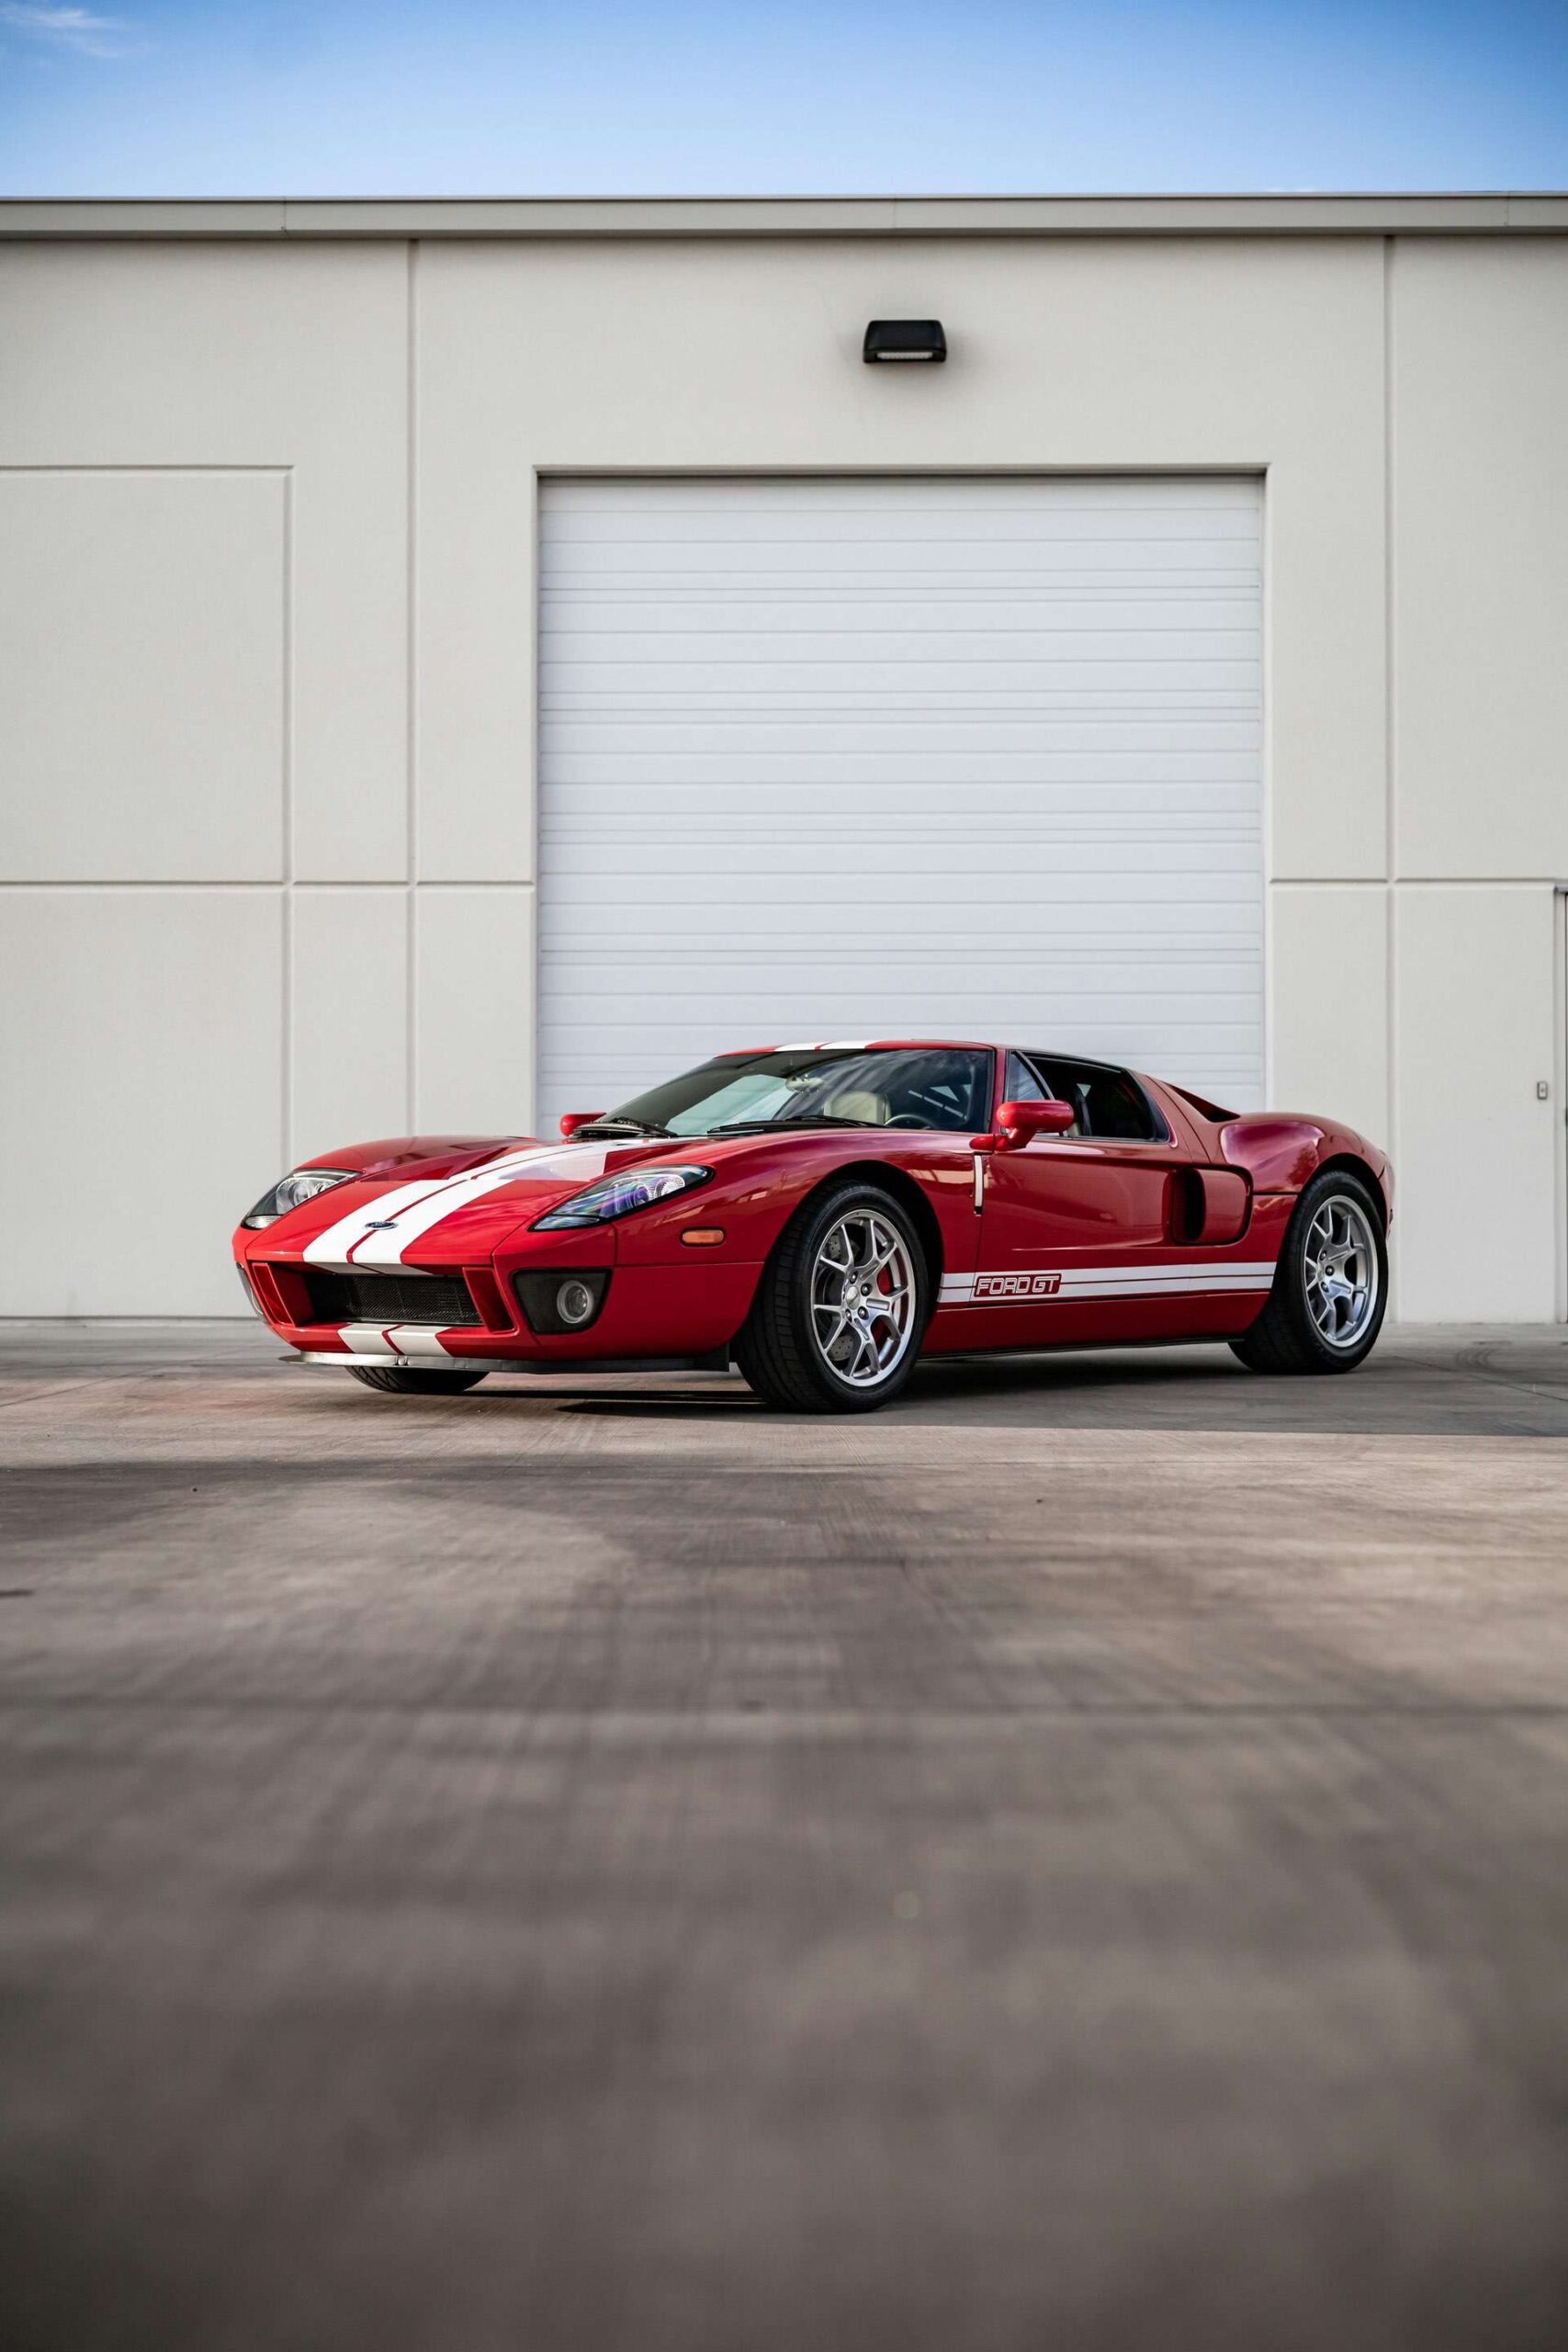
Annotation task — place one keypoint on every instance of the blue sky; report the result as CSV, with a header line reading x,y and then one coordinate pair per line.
x,y
188,97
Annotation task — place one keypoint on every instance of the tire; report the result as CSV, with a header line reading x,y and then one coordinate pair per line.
x,y
1308,1325
401,1380
804,1347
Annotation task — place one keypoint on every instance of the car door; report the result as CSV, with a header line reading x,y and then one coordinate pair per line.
x,y
1071,1225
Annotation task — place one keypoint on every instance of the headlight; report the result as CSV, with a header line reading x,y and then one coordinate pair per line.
x,y
290,1191
615,1196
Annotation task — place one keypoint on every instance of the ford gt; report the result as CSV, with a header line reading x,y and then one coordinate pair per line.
x,y
821,1215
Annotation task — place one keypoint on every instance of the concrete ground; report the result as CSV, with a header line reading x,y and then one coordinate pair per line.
x,y
1079,1859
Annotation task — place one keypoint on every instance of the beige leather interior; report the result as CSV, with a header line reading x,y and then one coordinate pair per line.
x,y
859,1106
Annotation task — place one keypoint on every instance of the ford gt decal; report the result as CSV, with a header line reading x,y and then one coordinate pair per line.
x,y
1068,1283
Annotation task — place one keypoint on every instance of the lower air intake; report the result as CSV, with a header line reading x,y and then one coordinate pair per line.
x,y
440,1301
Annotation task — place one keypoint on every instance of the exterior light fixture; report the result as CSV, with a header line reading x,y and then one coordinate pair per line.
x,y
904,339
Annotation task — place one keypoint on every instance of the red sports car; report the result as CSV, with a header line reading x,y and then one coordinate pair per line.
x,y
822,1214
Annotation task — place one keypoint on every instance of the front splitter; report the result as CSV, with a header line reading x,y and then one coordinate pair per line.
x,y
552,1369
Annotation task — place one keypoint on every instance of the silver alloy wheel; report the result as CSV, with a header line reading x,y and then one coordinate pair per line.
x,y
863,1298
1339,1267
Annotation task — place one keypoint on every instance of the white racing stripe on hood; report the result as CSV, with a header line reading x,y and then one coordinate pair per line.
x,y
359,1239
332,1245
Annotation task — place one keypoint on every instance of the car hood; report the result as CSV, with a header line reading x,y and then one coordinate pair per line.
x,y
403,1208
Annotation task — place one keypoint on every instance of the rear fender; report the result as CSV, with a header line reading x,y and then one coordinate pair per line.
x,y
1282,1154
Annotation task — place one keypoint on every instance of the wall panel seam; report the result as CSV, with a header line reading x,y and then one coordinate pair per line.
x,y
411,705
1266,828
1559,1091
1390,748
285,906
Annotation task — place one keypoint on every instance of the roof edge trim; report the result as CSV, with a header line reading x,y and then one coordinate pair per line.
x,y
1498,213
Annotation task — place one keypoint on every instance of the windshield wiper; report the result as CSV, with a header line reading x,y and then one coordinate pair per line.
x,y
614,1126
791,1119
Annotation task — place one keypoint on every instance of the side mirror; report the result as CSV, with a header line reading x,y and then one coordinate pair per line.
x,y
571,1120
1019,1123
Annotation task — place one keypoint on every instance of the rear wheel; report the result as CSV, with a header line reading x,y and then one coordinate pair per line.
x,y
402,1380
836,1324
1325,1309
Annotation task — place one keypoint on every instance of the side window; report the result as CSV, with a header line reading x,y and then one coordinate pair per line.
x,y
1020,1084
1117,1107
1065,1080
1107,1102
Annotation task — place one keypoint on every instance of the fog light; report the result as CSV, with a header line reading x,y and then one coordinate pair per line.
x,y
574,1303
560,1298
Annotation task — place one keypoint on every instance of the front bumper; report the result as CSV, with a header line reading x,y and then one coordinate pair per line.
x,y
649,1314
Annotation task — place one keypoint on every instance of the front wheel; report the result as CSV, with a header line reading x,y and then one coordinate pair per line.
x,y
1330,1286
836,1324
403,1380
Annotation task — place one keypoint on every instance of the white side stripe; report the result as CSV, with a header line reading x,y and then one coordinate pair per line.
x,y
1029,1285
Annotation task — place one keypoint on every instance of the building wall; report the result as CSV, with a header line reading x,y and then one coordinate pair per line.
x,y
267,516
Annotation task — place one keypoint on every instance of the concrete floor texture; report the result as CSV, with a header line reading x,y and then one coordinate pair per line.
x,y
1079,1859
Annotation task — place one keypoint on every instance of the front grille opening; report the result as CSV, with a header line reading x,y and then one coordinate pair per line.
x,y
442,1301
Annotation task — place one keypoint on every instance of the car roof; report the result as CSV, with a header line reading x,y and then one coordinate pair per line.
x,y
857,1045
904,1045
1076,1061
1040,1053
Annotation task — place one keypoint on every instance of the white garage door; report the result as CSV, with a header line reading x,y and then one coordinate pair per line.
x,y
869,757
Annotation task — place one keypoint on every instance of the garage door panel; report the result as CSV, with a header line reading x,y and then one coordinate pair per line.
x,y
926,796
1228,928
943,520
1026,714
1177,955
686,656
1000,862
724,492
799,681
857,748
1056,801
1120,996
584,615
1128,563
751,1018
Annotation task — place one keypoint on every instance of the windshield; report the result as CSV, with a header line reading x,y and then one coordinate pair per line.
x,y
897,1086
